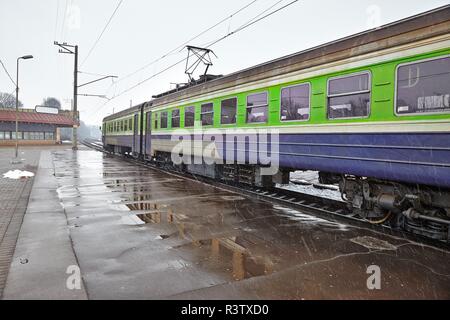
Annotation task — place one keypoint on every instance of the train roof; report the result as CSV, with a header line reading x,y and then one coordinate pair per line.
x,y
126,112
415,28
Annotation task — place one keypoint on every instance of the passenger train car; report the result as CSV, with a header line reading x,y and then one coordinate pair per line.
x,y
370,112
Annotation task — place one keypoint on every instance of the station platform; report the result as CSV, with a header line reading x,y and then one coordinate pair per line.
x,y
138,233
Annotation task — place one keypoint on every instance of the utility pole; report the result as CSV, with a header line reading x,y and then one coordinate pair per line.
x,y
71,49
75,101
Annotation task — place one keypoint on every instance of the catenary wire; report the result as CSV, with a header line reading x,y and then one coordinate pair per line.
x,y
103,31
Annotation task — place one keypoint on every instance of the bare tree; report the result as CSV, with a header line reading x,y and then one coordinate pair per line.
x,y
52,102
8,100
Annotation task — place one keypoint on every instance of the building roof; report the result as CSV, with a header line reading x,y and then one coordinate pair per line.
x,y
63,119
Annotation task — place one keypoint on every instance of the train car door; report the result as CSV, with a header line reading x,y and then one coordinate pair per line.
x,y
135,134
148,132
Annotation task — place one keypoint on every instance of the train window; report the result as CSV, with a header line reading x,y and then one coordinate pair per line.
x,y
156,121
349,96
189,116
164,119
257,105
228,111
175,118
423,87
125,127
149,122
207,114
295,103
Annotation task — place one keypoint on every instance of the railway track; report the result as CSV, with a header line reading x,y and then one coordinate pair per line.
x,y
333,210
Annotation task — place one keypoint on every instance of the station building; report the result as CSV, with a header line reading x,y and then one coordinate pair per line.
x,y
35,128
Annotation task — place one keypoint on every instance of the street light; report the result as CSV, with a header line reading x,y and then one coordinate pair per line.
x,y
17,105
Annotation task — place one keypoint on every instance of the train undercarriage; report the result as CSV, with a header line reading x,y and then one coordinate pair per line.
x,y
418,209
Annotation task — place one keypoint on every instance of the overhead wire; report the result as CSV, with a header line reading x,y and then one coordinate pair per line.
x,y
252,22
186,42
6,70
64,20
57,18
103,31
242,27
176,49
93,74
12,94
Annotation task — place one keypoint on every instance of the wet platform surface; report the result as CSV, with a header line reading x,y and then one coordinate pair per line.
x,y
138,233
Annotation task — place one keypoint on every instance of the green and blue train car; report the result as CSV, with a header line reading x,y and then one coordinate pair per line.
x,y
370,112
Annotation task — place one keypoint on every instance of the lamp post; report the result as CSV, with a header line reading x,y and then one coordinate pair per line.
x,y
17,105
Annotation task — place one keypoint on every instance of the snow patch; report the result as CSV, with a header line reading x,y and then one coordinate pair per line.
x,y
373,243
17,174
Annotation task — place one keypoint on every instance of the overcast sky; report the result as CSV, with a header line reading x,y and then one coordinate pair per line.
x,y
144,30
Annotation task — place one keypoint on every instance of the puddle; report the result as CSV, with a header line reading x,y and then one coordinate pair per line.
x,y
231,257
131,220
373,243
162,237
308,219
232,198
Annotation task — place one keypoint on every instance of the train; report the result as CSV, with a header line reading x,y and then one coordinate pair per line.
x,y
369,112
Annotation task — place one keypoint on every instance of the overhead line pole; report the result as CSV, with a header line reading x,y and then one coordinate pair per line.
x,y
75,102
71,49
